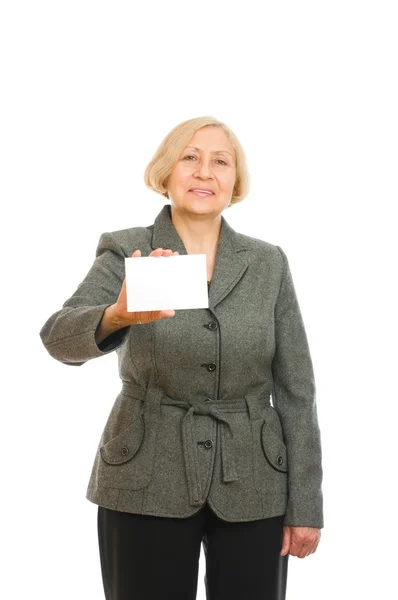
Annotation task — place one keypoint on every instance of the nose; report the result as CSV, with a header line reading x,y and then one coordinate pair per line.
x,y
204,169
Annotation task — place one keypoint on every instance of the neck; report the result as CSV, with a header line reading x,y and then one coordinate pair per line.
x,y
199,233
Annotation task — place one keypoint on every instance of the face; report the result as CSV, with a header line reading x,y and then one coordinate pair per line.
x,y
207,162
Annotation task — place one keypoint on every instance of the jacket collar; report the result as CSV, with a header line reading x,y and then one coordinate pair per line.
x,y
230,263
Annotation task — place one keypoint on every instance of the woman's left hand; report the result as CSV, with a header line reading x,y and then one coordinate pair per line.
x,y
300,541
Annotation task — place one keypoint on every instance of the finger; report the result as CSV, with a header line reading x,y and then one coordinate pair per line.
x,y
286,541
314,549
296,545
157,252
167,313
313,542
302,553
307,548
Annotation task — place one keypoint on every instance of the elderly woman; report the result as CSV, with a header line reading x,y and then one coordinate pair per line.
x,y
214,436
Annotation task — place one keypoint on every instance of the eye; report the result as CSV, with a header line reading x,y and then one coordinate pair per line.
x,y
218,160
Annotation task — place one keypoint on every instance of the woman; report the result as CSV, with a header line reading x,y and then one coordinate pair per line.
x,y
193,450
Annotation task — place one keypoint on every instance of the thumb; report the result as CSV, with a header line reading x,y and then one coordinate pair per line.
x,y
286,540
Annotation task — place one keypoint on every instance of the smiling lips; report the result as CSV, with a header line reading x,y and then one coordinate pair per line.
x,y
201,193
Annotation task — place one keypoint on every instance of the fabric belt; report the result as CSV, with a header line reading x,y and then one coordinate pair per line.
x,y
252,402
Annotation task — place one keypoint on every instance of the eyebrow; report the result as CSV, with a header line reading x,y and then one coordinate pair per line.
x,y
214,151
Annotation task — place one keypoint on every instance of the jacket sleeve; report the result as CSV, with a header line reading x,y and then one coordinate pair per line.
x,y
69,334
294,398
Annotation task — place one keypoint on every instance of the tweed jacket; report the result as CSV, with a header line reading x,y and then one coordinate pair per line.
x,y
216,404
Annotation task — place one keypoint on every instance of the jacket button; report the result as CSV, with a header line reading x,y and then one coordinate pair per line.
x,y
125,451
208,444
211,366
279,460
212,325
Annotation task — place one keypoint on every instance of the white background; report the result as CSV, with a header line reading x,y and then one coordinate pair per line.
x,y
88,91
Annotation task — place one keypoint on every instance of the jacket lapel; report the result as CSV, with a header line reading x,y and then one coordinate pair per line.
x,y
231,261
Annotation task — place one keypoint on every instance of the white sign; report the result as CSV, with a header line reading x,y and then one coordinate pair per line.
x,y
166,282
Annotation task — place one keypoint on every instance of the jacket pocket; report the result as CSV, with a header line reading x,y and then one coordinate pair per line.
x,y
274,448
124,446
270,457
126,461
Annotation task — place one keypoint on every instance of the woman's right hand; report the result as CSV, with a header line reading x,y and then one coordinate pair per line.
x,y
122,317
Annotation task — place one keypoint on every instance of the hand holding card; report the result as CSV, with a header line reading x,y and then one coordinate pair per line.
x,y
120,313
160,284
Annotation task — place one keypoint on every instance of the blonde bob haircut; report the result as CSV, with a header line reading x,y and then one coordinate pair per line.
x,y
169,151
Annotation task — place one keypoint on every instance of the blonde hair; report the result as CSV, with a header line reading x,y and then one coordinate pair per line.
x,y
169,151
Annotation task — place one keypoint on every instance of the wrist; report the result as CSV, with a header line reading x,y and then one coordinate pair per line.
x,y
115,321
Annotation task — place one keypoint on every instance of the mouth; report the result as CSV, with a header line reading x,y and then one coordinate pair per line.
x,y
201,193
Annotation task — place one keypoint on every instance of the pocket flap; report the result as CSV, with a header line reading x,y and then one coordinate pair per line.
x,y
124,446
274,448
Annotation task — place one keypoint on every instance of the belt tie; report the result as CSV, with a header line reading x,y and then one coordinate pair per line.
x,y
250,402
226,436
227,458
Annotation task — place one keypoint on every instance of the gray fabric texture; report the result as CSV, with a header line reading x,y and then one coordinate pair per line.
x,y
216,404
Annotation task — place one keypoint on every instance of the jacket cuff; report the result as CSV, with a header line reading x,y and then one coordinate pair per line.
x,y
79,347
304,511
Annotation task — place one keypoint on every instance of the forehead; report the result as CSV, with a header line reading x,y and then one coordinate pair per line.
x,y
211,138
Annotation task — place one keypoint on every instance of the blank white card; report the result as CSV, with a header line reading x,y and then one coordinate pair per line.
x,y
166,282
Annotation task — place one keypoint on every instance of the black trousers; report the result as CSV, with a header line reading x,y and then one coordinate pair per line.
x,y
146,557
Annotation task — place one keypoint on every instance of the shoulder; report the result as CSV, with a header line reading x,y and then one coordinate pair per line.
x,y
125,241
263,250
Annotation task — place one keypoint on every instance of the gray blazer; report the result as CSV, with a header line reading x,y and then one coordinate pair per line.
x,y
216,404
